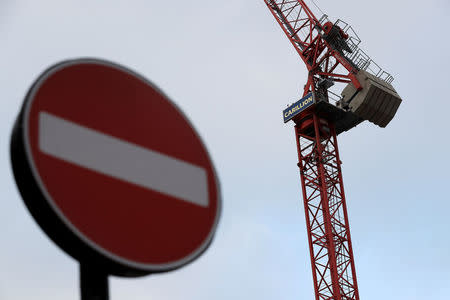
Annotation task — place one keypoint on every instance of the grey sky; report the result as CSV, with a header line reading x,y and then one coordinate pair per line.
x,y
228,65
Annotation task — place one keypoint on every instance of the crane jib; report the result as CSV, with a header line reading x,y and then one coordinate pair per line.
x,y
298,107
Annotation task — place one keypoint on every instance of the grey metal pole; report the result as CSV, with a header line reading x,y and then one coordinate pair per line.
x,y
93,283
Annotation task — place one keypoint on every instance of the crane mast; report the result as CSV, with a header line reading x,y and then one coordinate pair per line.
x,y
328,230
332,56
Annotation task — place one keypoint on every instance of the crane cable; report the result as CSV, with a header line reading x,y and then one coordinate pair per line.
x,y
315,4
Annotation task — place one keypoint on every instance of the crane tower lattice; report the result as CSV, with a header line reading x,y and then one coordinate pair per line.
x,y
332,56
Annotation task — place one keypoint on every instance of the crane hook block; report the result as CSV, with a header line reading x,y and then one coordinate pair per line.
x,y
377,101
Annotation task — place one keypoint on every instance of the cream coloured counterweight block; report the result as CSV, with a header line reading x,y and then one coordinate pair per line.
x,y
377,101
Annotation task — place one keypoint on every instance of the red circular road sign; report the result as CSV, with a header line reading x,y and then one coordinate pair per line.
x,y
112,170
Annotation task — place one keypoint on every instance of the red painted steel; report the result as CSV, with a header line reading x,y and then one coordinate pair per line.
x,y
305,32
325,210
332,262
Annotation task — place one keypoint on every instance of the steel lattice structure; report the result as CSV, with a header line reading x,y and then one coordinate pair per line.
x,y
325,210
328,61
324,59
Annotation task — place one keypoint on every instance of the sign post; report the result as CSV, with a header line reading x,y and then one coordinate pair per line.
x,y
113,172
93,283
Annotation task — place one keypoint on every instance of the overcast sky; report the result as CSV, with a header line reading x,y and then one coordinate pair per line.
x,y
228,65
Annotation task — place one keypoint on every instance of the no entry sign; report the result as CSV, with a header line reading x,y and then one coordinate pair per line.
x,y
112,170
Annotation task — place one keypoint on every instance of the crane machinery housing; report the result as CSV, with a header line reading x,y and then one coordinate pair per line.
x,y
335,63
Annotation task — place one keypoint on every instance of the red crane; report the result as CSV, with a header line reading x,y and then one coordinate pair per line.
x,y
333,58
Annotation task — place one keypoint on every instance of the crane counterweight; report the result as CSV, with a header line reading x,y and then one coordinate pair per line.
x,y
376,102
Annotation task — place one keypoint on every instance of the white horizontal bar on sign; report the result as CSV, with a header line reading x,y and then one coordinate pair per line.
x,y
122,160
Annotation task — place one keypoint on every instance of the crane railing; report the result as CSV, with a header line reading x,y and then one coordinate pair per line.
x,y
357,56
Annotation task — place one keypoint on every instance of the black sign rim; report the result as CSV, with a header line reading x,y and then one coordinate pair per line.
x,y
52,220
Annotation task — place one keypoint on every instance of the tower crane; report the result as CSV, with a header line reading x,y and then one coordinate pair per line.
x,y
336,64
